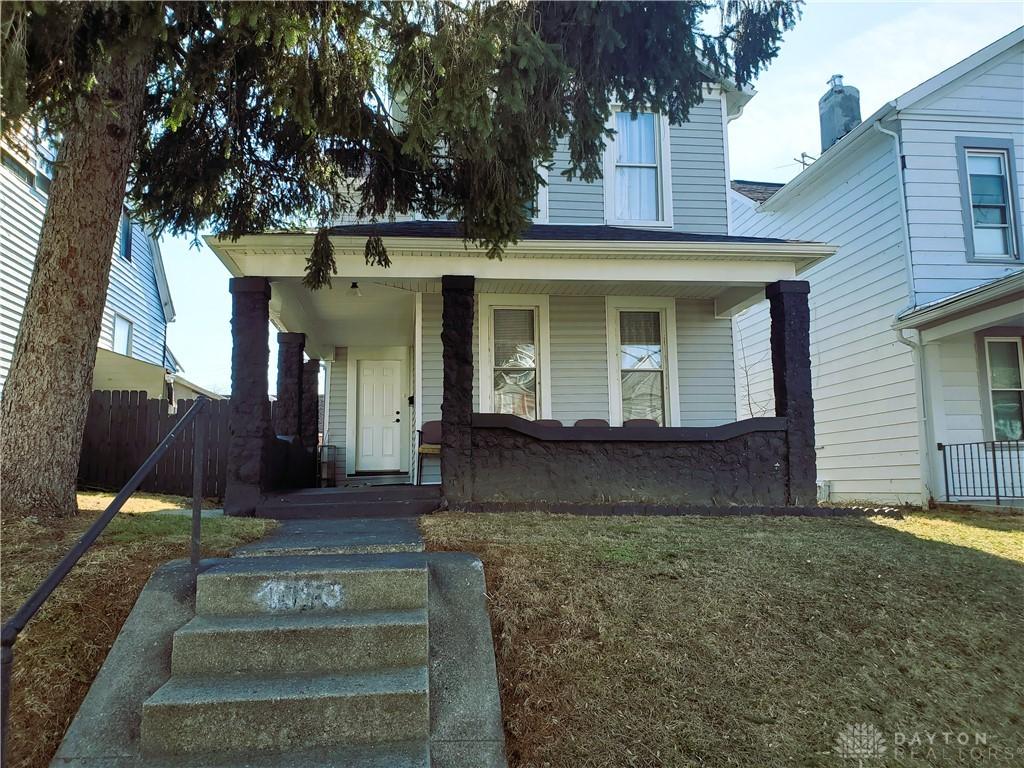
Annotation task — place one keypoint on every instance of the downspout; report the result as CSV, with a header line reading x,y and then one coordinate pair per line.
x,y
916,348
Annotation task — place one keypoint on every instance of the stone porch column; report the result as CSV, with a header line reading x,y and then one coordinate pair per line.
x,y
309,416
457,394
249,415
791,368
288,408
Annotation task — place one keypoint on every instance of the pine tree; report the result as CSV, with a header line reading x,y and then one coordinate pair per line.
x,y
244,117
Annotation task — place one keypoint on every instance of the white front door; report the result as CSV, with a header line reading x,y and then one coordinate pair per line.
x,y
378,420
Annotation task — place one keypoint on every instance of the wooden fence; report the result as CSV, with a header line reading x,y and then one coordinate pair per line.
x,y
123,428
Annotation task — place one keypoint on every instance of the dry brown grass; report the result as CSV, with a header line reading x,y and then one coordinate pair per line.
x,y
747,642
63,647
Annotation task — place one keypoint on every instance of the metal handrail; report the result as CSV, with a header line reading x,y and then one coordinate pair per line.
x,y
983,470
13,626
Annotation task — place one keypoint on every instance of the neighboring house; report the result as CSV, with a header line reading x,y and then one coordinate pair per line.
x,y
917,320
132,350
615,305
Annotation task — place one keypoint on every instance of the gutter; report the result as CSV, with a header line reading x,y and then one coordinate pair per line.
x,y
904,218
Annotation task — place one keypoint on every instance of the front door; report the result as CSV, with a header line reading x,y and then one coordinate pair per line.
x,y
378,421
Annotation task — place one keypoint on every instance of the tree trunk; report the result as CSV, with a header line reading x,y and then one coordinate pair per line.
x,y
46,396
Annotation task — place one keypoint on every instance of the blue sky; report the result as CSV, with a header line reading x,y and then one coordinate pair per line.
x,y
882,48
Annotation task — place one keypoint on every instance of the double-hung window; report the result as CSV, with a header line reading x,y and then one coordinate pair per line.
x,y
1006,387
642,366
991,212
636,171
125,251
123,332
514,362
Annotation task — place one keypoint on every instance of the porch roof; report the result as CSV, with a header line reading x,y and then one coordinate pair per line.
x,y
550,232
992,302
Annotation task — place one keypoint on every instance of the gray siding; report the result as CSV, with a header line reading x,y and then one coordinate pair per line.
x,y
132,293
132,290
21,220
579,358
985,104
573,202
698,171
337,409
707,391
697,155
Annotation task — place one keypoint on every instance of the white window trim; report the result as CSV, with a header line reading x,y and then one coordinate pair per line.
x,y
486,303
543,212
667,307
988,373
131,334
1011,219
665,185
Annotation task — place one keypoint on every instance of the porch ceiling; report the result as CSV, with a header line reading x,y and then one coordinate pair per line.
x,y
378,315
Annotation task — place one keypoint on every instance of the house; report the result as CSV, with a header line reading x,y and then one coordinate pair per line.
x,y
917,320
615,306
132,352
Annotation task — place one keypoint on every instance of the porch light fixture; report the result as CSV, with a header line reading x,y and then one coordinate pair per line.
x,y
354,289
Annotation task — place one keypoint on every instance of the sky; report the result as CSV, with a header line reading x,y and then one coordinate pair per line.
x,y
882,48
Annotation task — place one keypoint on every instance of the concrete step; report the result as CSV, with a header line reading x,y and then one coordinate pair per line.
x,y
414,754
338,537
303,643
319,583
237,714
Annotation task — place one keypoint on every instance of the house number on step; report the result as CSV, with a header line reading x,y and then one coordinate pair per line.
x,y
298,595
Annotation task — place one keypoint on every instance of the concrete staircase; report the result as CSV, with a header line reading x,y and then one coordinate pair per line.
x,y
299,660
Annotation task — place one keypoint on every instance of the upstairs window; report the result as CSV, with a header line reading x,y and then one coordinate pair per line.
x,y
1006,387
636,185
123,332
991,212
126,237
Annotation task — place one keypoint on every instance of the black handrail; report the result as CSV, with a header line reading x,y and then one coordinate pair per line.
x,y
13,627
983,470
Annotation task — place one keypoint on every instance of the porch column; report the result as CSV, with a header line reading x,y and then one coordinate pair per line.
x,y
457,393
288,407
791,367
309,416
249,414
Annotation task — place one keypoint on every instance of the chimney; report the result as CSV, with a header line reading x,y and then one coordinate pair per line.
x,y
839,110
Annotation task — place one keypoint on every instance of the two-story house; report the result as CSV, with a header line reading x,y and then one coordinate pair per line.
x,y
614,308
132,351
918,319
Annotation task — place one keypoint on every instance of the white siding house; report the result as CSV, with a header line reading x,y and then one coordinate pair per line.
x,y
890,381
138,306
640,260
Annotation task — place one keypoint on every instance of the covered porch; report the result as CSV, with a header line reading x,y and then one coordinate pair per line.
x,y
629,338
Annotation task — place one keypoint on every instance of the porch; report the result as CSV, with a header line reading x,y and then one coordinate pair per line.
x,y
509,355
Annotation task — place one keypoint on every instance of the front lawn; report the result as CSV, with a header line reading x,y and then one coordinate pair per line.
x,y
62,648
751,641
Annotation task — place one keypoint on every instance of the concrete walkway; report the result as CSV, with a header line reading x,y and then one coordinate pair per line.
x,y
329,642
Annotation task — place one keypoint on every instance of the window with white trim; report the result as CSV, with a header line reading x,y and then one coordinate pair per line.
x,y
991,212
538,212
126,237
514,361
123,331
642,365
636,171
1006,387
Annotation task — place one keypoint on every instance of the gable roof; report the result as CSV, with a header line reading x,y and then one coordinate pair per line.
x,y
758,191
892,109
166,304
